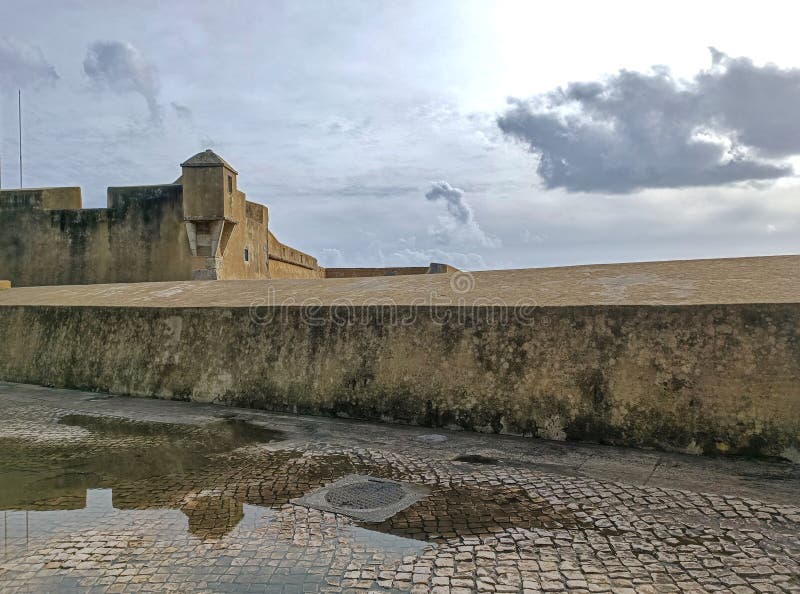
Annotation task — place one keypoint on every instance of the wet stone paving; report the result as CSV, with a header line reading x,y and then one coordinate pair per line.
x,y
114,494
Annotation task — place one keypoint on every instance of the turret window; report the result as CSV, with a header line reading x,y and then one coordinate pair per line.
x,y
246,255
230,184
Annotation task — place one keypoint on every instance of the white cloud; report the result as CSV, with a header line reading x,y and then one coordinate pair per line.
x,y
460,226
121,67
332,258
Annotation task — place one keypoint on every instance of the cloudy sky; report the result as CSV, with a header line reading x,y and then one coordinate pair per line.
x,y
482,134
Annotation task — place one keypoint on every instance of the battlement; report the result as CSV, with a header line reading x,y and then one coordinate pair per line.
x,y
68,198
123,197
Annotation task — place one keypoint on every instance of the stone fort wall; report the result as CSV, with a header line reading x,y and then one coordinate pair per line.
x,y
200,227
657,365
47,239
287,262
639,376
432,268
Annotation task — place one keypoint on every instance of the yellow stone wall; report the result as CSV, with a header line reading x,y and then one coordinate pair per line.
x,y
204,190
154,233
47,239
692,378
287,262
141,237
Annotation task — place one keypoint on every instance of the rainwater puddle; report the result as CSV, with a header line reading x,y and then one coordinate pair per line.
x,y
178,505
43,475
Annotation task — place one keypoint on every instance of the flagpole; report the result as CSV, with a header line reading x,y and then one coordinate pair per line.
x,y
1,157
19,112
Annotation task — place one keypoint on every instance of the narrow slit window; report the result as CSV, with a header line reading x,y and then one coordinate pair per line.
x,y
246,255
230,184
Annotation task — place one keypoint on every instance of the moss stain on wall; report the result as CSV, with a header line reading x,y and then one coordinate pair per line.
x,y
716,379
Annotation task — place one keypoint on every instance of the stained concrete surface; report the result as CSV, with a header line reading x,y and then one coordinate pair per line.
x,y
767,279
196,497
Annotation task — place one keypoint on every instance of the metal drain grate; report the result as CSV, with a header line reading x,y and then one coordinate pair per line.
x,y
364,497
370,494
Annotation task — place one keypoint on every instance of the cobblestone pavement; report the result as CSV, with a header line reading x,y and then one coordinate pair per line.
x,y
113,494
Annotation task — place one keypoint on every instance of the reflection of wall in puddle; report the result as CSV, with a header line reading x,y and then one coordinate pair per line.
x,y
204,517
212,516
310,541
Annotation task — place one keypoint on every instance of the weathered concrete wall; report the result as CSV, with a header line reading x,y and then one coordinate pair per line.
x,y
140,237
699,378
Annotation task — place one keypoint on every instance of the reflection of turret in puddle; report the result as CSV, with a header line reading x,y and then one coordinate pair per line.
x,y
207,516
100,538
212,515
178,492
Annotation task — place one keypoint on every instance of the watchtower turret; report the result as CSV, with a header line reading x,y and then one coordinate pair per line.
x,y
209,186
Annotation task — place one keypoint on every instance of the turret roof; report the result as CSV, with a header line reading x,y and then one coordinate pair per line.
x,y
207,158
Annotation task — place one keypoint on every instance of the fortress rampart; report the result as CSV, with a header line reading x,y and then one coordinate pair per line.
x,y
699,356
48,239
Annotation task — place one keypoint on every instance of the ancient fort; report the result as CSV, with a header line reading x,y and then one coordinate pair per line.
x,y
201,227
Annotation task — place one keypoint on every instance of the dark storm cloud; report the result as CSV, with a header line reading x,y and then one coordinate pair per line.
x,y
760,104
120,67
634,130
23,65
453,198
